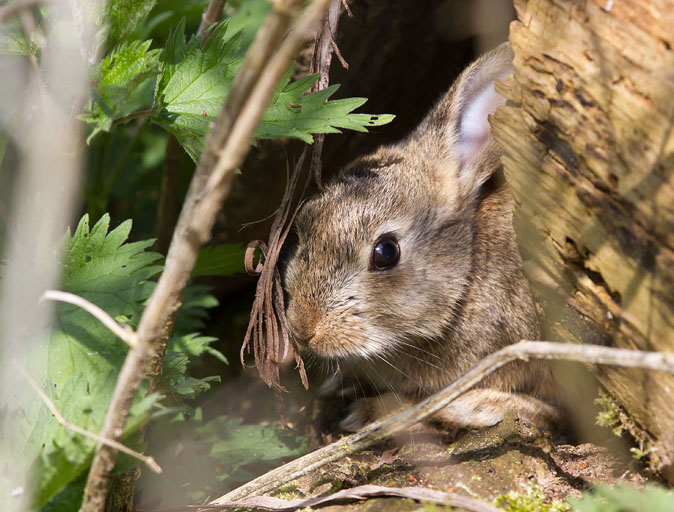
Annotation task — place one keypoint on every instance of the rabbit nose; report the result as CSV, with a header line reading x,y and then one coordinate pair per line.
x,y
302,323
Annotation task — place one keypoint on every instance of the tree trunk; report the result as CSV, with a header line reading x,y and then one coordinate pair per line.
x,y
589,155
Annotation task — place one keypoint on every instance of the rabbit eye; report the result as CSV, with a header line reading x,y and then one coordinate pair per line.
x,y
385,254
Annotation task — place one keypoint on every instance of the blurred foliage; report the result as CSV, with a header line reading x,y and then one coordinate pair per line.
x,y
154,78
221,453
624,498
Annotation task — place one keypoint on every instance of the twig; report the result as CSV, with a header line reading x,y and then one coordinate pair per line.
x,y
123,332
361,492
210,16
151,463
382,429
168,195
268,334
15,8
226,146
320,63
132,115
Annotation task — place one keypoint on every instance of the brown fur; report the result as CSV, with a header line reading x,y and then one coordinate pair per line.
x,y
456,294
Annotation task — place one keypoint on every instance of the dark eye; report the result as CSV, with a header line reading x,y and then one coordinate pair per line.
x,y
385,253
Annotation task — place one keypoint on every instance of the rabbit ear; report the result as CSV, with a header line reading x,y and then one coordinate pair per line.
x,y
460,124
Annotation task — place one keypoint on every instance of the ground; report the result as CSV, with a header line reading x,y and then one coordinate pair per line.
x,y
507,461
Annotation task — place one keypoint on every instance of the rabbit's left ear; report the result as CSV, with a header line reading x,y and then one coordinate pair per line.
x,y
459,124
475,99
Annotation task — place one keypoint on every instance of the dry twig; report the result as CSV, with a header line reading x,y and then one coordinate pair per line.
x,y
17,7
226,146
123,332
361,492
268,335
382,429
320,63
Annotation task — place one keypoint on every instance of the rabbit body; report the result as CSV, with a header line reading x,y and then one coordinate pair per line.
x,y
408,265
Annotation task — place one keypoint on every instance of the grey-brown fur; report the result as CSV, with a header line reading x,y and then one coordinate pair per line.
x,y
457,293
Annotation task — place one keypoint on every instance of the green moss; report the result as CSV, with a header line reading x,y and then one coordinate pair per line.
x,y
287,491
610,415
433,507
533,501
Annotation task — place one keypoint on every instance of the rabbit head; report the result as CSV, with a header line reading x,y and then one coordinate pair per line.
x,y
387,254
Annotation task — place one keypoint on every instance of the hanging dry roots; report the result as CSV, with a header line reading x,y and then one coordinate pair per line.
x,y
268,331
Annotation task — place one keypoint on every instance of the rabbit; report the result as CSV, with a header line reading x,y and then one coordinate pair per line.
x,y
407,265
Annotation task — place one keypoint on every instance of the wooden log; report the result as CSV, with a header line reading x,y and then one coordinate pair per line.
x,y
589,155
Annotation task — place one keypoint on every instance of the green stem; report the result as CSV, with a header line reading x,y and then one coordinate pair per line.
x,y
132,115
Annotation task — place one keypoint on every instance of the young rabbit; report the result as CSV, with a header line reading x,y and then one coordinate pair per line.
x,y
408,265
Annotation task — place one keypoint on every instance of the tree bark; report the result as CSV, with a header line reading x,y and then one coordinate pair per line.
x,y
589,156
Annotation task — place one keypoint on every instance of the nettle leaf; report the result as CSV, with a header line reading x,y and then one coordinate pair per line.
x,y
123,16
194,83
293,113
76,359
118,76
236,446
221,260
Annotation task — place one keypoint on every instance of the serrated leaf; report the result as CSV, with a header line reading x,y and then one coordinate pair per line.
x,y
123,16
296,114
195,82
221,260
118,76
76,360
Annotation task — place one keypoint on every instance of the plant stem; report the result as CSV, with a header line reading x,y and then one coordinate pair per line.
x,y
132,115
211,15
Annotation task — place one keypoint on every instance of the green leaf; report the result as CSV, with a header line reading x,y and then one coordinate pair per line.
x,y
123,16
195,345
296,114
119,75
175,380
221,260
193,313
624,498
194,83
246,17
76,360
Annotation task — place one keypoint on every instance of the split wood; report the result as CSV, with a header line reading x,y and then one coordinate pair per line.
x,y
226,147
385,428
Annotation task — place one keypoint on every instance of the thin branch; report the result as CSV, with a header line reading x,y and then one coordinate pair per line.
x,y
211,15
168,195
132,115
13,9
320,63
382,429
361,492
226,146
149,461
123,332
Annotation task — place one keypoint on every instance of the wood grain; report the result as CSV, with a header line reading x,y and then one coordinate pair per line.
x,y
589,155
